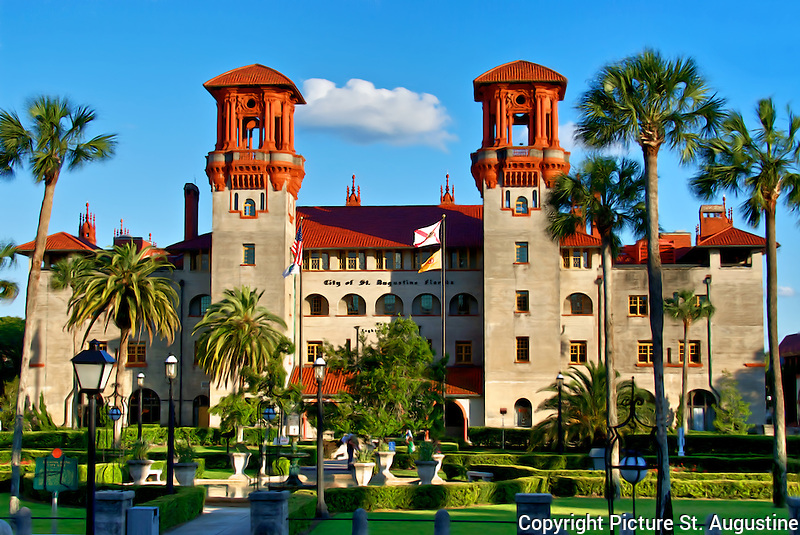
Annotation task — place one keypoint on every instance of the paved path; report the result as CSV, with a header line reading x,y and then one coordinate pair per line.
x,y
216,521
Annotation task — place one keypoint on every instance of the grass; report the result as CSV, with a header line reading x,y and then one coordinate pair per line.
x,y
65,525
499,519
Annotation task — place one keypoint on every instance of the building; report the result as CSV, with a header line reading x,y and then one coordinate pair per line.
x,y
518,306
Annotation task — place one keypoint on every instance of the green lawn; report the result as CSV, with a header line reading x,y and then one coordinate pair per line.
x,y
65,526
484,519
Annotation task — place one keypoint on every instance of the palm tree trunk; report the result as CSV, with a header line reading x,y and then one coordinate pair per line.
x,y
30,321
611,387
122,359
779,479
684,379
663,492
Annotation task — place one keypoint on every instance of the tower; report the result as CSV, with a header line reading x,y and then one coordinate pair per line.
x,y
255,176
518,160
87,227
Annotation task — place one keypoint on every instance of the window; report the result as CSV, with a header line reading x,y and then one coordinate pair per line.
x,y
137,355
235,201
523,349
249,256
523,413
637,305
263,202
463,258
521,206
317,305
427,305
102,346
389,305
199,304
352,260
313,350
462,305
151,407
389,260
199,261
576,259
645,351
579,304
464,352
535,199
316,261
694,351
353,305
250,208
577,352
507,202
523,304
521,252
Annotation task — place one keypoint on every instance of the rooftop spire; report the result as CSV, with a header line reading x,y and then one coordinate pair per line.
x,y
353,199
445,196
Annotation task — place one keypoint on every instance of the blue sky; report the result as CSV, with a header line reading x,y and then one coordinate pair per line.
x,y
389,86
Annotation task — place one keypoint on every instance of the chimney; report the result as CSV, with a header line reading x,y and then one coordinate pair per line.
x,y
191,197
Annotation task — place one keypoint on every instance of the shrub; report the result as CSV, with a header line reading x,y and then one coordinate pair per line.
x,y
184,505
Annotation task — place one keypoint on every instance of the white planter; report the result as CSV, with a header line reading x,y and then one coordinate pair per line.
x,y
362,473
438,457
426,470
185,473
239,462
385,460
139,470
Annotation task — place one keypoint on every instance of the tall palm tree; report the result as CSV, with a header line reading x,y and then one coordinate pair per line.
x,y
8,289
687,308
237,332
609,193
56,137
651,101
762,165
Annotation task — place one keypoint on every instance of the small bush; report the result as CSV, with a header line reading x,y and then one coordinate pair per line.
x,y
173,509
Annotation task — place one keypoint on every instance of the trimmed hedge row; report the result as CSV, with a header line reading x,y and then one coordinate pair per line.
x,y
173,509
542,461
492,437
302,505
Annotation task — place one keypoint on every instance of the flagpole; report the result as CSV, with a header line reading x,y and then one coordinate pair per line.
x,y
445,310
298,351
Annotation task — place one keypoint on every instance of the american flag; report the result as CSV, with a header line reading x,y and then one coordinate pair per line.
x,y
297,253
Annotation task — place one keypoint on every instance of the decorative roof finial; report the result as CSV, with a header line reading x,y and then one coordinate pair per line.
x,y
353,199
448,197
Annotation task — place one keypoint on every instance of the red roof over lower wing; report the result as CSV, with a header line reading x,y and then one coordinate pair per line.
x,y
60,242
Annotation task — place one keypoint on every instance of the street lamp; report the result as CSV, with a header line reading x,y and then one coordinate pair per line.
x,y
633,469
171,367
268,415
560,382
92,367
503,412
319,374
140,383
114,413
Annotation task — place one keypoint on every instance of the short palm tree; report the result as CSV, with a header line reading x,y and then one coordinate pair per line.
x,y
56,137
762,165
8,289
610,194
237,332
687,308
651,101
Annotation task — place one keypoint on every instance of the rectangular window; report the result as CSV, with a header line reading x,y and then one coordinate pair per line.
x,y
577,352
694,352
313,350
136,353
196,361
389,260
315,261
102,346
316,305
249,254
199,261
637,305
463,259
352,260
521,252
645,352
416,261
426,304
576,259
523,305
523,349
464,352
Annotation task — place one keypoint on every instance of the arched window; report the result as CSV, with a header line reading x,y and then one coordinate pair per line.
x,y
199,304
263,202
250,207
235,201
463,305
389,305
578,304
151,407
523,413
701,410
507,202
535,199
521,207
317,305
352,305
426,305
200,411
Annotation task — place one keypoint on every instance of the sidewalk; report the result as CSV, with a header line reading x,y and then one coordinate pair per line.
x,y
216,521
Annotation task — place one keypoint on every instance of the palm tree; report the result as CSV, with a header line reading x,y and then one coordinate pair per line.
x,y
610,195
56,138
686,307
8,289
237,332
762,165
651,101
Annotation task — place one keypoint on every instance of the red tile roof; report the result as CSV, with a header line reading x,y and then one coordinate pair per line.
x,y
732,237
202,242
464,381
253,75
387,226
520,71
790,346
60,242
335,381
580,239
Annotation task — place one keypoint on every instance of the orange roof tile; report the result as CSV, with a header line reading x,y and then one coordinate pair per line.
x,y
464,381
520,71
335,381
387,226
253,75
732,237
579,239
61,241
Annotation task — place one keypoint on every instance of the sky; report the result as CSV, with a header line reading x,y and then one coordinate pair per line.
x,y
389,92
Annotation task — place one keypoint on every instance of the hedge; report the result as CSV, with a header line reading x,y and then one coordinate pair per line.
x,y
302,508
173,509
492,437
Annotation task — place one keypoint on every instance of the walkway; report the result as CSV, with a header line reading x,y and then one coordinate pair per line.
x,y
216,521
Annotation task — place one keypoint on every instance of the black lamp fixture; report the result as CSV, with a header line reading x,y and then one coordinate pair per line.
x,y
140,384
319,374
560,383
93,368
171,371
268,415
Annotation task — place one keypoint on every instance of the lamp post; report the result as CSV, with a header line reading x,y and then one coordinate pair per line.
x,y
560,382
267,414
503,412
319,374
140,384
633,469
92,367
357,334
171,366
114,413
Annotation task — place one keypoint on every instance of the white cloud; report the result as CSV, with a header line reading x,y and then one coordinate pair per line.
x,y
785,291
364,114
566,134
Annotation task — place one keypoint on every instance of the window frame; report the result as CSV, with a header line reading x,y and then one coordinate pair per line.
x,y
637,306
520,251
463,352
523,350
520,297
644,348
137,354
248,253
695,352
313,350
578,352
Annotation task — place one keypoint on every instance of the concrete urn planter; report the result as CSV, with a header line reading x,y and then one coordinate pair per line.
x,y
139,470
185,473
239,462
426,470
385,460
438,457
362,473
